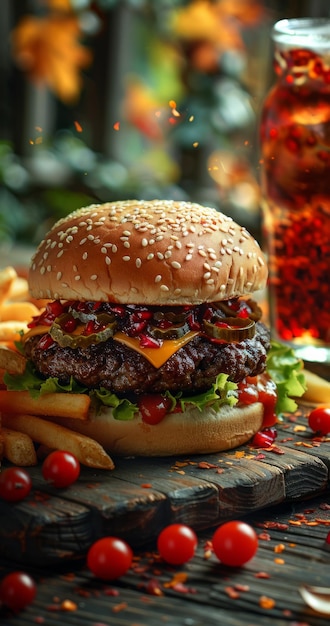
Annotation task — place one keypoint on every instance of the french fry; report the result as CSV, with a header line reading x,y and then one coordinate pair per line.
x,y
11,361
18,448
318,389
74,405
11,330
18,311
19,290
57,437
7,277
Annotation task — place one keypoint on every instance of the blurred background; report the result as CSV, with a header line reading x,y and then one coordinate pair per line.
x,y
115,99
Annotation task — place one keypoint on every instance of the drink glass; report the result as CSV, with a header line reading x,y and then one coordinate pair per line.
x,y
295,182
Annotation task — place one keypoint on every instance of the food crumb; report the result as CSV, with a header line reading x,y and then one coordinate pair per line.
x,y
266,603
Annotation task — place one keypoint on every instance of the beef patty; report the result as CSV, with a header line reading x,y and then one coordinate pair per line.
x,y
118,368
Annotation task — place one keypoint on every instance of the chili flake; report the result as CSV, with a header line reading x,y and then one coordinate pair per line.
x,y
266,603
279,548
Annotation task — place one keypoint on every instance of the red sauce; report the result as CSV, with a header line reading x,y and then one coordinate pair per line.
x,y
260,389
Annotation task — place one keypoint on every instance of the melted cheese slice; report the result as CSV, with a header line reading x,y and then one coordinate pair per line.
x,y
156,356
41,329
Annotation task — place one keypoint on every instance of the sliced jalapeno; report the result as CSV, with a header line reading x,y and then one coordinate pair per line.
x,y
78,339
230,329
175,331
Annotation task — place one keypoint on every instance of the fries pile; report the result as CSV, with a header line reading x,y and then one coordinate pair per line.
x,y
23,419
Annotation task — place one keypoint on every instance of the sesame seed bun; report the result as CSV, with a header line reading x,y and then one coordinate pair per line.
x,y
191,432
147,252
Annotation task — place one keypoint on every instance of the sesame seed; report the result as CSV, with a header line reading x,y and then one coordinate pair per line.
x,y
127,244
261,261
164,288
210,281
150,256
58,275
168,254
207,275
59,254
104,250
144,242
93,277
127,233
176,265
108,260
151,242
82,241
202,252
90,237
160,256
77,277
158,278
138,262
126,258
114,248
229,251
188,257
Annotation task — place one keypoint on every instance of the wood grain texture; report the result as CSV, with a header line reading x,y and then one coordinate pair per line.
x,y
141,496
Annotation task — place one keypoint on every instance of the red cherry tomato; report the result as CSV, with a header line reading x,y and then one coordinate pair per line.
x,y
61,468
109,558
235,543
17,590
154,407
319,420
15,484
177,544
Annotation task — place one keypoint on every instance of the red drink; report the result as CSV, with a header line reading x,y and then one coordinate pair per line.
x,y
295,139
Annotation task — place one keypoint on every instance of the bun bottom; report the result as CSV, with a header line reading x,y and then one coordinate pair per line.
x,y
191,432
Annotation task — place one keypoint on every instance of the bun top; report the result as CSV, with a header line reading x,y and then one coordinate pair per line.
x,y
147,252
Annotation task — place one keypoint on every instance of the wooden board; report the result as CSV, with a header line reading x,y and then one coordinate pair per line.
x,y
141,495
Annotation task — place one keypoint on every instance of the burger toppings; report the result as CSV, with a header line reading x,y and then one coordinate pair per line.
x,y
80,324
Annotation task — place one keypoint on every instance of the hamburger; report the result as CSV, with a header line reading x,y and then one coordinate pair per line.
x,y
149,311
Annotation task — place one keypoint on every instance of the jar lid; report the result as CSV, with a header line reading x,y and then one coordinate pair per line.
x,y
312,33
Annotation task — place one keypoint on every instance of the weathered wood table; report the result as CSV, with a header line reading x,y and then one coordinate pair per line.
x,y
283,491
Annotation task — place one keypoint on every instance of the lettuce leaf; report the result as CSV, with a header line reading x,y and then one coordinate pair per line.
x,y
285,369
219,394
122,408
31,381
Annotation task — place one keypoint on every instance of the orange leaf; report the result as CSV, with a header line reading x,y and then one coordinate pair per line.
x,y
48,49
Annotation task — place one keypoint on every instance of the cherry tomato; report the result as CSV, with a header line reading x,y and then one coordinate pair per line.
x,y
319,420
61,468
154,407
17,590
15,484
177,544
235,543
264,438
109,558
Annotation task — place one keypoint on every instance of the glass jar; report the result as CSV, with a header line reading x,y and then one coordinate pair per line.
x,y
295,182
